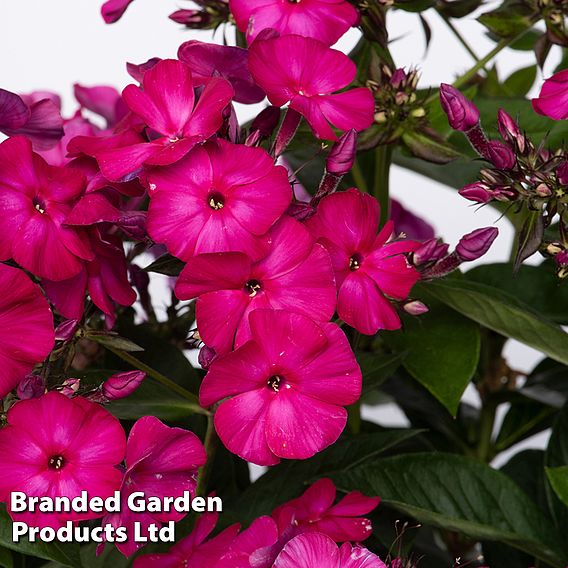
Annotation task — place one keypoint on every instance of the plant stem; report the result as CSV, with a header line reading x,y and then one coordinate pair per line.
x,y
459,37
485,450
211,441
358,177
501,45
383,159
135,362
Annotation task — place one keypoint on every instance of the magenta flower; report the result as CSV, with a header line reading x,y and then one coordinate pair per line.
x,y
26,327
102,100
296,275
105,278
369,270
177,120
112,10
257,546
160,462
315,511
307,74
35,199
122,384
209,59
194,551
36,116
221,197
316,550
287,387
58,446
552,100
324,20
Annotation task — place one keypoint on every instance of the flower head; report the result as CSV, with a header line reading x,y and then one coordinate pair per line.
x,y
296,275
316,550
324,20
315,511
287,387
221,197
369,270
177,119
307,74
462,113
26,327
35,199
160,462
58,446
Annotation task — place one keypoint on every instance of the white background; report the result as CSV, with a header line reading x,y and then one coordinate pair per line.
x,y
51,44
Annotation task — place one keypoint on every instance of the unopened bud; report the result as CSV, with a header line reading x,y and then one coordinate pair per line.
x,y
500,155
31,386
510,130
122,385
415,308
66,330
70,387
191,18
462,113
398,77
475,244
478,192
554,248
562,173
542,190
206,356
431,250
342,155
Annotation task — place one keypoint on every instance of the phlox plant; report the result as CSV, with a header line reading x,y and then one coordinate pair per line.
x,y
300,294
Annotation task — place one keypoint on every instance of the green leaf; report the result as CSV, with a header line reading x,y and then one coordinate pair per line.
x,y
536,286
66,554
521,81
442,352
6,560
509,19
502,313
428,147
557,457
462,495
558,477
166,264
376,369
529,238
114,341
289,479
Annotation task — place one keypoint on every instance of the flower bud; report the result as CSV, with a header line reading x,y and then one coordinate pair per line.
x,y
430,251
66,330
500,155
31,386
342,156
475,244
70,387
462,113
122,385
398,77
415,308
478,192
510,130
191,18
263,125
542,190
562,173
206,356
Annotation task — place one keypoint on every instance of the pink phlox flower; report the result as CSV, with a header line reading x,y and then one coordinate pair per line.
x,y
283,392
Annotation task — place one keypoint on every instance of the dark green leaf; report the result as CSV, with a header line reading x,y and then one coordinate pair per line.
x,y
462,495
166,264
414,5
66,554
289,479
425,145
530,237
442,352
548,384
558,477
6,560
536,286
458,8
521,81
376,369
508,20
114,341
502,313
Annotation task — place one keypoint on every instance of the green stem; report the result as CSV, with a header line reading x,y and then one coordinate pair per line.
x,y
211,441
383,159
485,449
358,177
481,63
135,362
458,36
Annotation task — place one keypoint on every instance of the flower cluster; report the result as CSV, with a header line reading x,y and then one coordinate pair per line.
x,y
302,532
528,177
